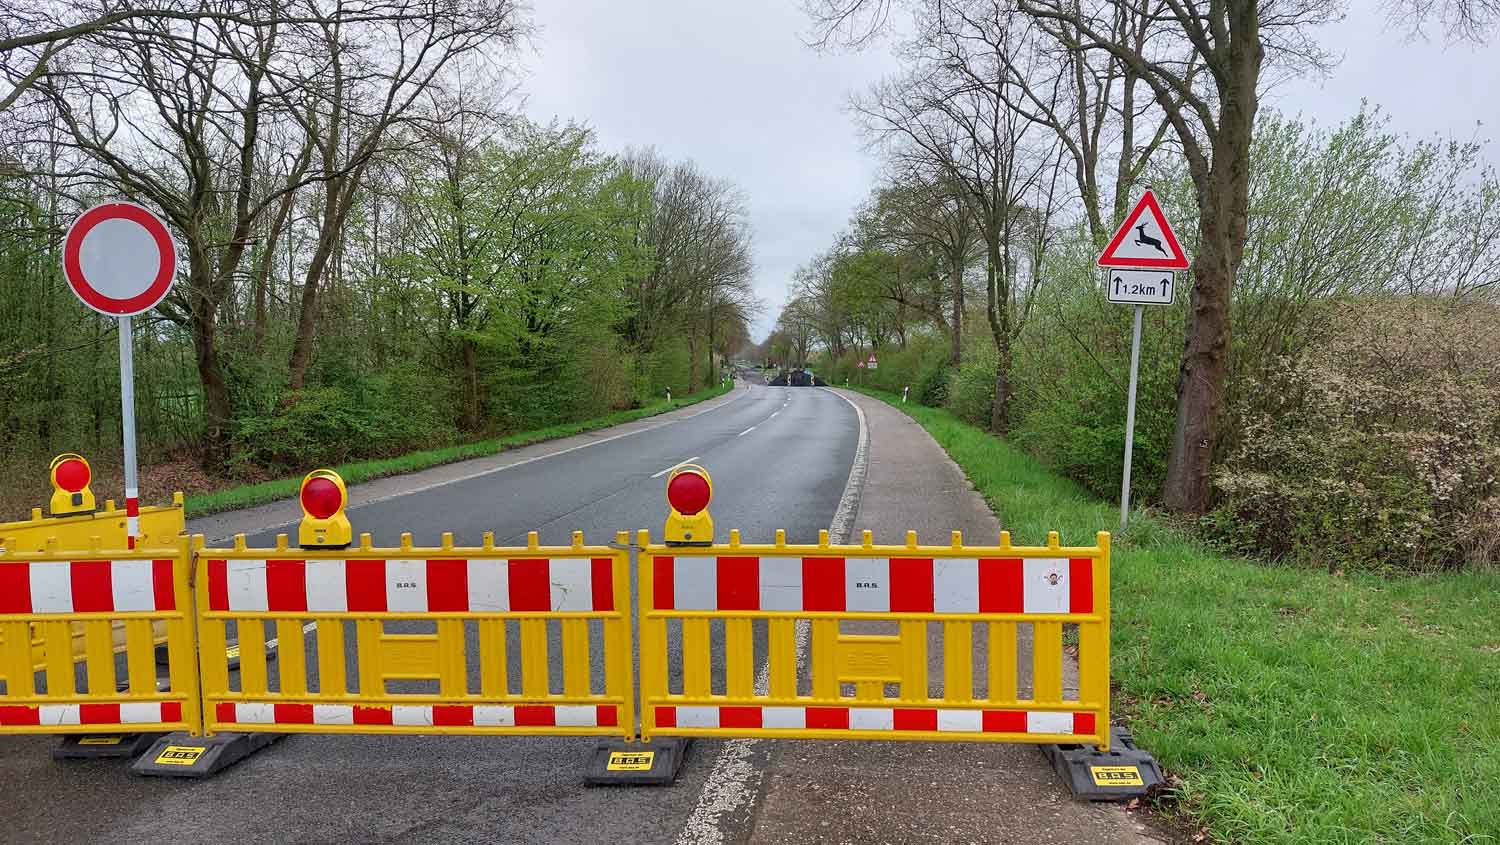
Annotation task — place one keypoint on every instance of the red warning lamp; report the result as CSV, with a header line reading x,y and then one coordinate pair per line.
x,y
321,498
324,525
71,475
689,491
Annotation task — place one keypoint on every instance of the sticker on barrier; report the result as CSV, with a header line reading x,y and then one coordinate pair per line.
x,y
487,640
903,642
107,600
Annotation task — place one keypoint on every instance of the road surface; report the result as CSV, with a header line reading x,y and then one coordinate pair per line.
x,y
780,458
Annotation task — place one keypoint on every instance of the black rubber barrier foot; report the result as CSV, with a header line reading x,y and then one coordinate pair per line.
x,y
1122,773
616,762
102,746
182,755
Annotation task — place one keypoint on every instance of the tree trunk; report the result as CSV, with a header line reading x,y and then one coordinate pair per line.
x,y
216,404
997,305
956,355
468,355
1223,202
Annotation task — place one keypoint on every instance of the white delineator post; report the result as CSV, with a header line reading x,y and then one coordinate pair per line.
x,y
1135,367
127,430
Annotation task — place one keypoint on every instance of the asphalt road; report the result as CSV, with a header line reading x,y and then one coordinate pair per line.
x,y
780,458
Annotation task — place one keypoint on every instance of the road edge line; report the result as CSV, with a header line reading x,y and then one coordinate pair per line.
x,y
733,781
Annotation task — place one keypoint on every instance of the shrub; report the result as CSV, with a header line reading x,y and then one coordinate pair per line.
x,y
1379,448
971,391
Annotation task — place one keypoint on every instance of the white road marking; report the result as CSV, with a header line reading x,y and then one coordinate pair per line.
x,y
676,465
773,415
306,629
733,782
748,430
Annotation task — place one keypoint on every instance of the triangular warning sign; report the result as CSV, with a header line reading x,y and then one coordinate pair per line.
x,y
1145,240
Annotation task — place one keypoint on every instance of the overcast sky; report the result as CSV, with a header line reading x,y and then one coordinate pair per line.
x,y
729,84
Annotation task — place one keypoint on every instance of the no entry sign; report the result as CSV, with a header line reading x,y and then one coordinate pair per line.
x,y
119,259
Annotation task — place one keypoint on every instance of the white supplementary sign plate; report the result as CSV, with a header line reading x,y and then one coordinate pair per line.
x,y
1140,287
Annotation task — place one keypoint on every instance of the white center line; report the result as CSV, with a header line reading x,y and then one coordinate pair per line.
x,y
748,430
675,466
775,413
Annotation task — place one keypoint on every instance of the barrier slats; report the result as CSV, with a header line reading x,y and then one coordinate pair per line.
x,y
62,608
864,681
413,611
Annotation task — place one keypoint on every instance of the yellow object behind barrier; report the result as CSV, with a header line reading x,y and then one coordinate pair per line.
x,y
161,527
47,599
534,613
894,634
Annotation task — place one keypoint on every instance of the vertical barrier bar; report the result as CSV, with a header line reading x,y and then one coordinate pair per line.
x,y
1046,653
492,680
958,661
453,665
19,679
534,678
367,633
57,640
331,679
824,660
695,659
781,654
252,657
1002,666
140,657
99,654
575,654
739,654
292,648
914,660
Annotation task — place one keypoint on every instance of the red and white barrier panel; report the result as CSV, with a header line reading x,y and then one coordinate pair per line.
x,y
412,715
928,719
412,586
122,713
875,585
86,586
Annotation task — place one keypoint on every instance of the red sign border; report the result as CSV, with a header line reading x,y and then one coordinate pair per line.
x,y
1148,200
73,267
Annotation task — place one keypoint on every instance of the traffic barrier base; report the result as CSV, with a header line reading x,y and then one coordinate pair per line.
x,y
1119,774
182,755
619,763
102,746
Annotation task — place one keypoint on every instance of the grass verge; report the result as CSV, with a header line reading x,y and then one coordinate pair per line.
x,y
359,471
1294,705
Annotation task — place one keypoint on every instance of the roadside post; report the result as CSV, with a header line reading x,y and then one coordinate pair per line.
x,y
119,259
1140,268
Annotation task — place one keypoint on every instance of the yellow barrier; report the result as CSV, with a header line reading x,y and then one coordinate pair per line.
x,y
160,528
430,621
100,592
868,610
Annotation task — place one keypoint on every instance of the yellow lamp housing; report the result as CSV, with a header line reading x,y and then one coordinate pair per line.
x,y
324,524
689,490
71,493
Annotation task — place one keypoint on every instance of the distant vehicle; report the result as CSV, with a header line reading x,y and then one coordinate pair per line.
x,y
796,378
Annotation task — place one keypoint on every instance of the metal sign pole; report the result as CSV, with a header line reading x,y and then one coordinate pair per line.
x,y
127,429
1135,365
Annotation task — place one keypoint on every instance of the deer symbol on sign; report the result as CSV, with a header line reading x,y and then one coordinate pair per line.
x,y
1142,239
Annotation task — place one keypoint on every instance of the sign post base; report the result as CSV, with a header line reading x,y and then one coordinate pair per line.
x,y
1120,774
616,762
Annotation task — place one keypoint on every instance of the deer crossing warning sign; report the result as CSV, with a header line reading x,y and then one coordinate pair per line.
x,y
1145,241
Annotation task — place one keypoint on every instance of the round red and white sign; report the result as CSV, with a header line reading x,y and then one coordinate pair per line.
x,y
119,259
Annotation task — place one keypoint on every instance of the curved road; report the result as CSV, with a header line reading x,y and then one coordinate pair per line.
x,y
780,458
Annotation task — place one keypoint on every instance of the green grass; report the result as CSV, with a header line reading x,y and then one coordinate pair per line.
x,y
1295,705
360,471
